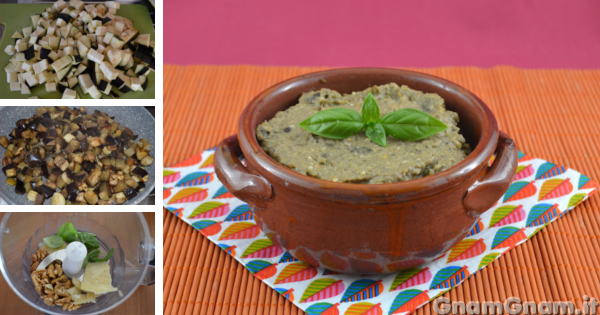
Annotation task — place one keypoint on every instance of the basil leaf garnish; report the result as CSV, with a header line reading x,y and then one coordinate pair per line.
x,y
405,124
370,109
411,125
335,123
377,134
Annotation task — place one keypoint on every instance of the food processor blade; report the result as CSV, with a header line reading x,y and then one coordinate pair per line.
x,y
57,255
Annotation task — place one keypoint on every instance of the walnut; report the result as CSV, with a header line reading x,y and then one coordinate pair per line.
x,y
34,266
48,291
73,307
58,269
33,258
62,301
60,290
45,279
42,253
51,271
62,279
49,299
68,284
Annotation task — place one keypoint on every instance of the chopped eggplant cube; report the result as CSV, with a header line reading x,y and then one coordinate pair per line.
x,y
125,89
145,85
102,85
65,17
117,82
30,53
106,20
142,71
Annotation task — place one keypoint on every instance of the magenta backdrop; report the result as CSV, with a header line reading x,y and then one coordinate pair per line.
x,y
428,33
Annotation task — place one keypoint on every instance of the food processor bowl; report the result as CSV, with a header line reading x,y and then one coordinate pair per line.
x,y
131,265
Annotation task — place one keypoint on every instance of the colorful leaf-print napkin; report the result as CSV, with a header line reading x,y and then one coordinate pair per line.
x,y
540,193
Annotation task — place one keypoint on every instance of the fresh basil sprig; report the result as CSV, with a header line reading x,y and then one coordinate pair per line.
x,y
68,233
93,257
405,124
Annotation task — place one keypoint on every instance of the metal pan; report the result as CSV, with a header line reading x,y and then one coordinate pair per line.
x,y
136,118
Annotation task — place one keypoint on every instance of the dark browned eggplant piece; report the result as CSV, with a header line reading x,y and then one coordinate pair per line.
x,y
130,193
73,197
34,159
141,186
110,140
22,124
20,188
46,191
81,176
45,170
32,125
39,200
71,188
47,122
88,166
139,172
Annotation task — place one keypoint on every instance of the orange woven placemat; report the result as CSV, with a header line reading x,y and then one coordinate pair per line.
x,y
551,114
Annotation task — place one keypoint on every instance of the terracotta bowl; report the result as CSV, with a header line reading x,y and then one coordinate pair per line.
x,y
360,228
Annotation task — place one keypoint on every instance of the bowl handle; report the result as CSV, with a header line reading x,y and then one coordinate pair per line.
x,y
246,186
485,192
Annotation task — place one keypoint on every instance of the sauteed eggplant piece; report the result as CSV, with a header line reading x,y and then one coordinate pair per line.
x,y
72,156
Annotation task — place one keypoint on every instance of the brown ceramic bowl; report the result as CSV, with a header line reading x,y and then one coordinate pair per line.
x,y
360,228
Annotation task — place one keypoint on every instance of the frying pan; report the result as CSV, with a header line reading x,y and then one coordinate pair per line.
x,y
136,118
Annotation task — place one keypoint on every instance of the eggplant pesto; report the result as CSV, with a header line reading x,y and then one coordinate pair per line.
x,y
357,159
74,157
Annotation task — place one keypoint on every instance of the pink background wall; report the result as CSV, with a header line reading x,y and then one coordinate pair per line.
x,y
427,33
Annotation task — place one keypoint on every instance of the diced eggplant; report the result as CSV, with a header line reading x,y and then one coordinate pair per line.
x,y
91,197
4,141
147,160
94,177
105,191
139,172
57,199
130,193
20,188
10,170
117,199
46,191
32,195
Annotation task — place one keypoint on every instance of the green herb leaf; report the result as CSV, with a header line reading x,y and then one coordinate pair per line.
x,y
335,123
53,241
411,125
105,258
89,240
89,256
370,109
68,232
377,134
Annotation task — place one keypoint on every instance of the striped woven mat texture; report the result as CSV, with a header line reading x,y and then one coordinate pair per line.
x,y
551,114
